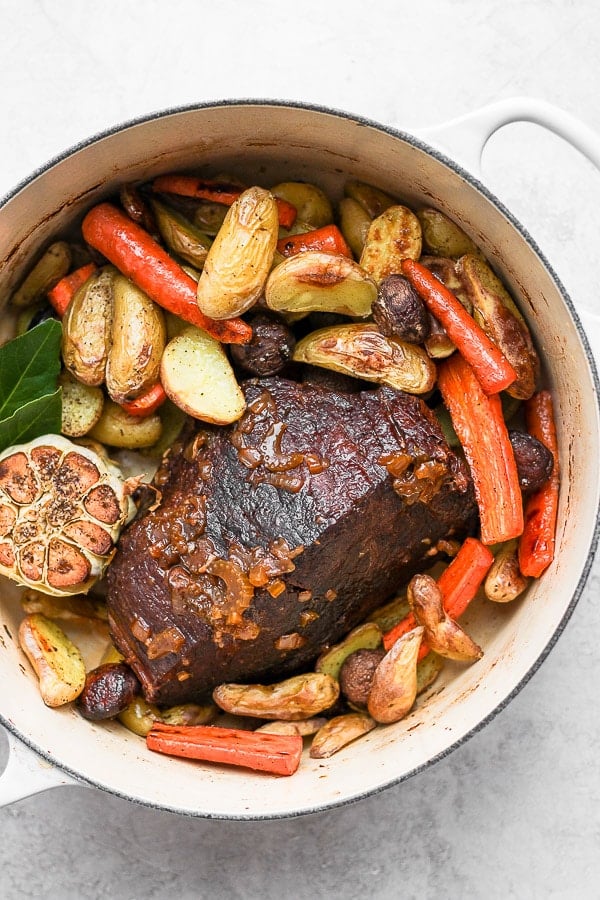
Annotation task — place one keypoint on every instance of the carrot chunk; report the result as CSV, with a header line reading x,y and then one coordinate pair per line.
x,y
536,546
478,421
63,291
328,239
146,404
264,752
492,369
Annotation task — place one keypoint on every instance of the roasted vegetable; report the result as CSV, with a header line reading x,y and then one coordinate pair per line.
x,y
338,733
393,236
209,217
312,204
117,428
81,405
303,727
87,328
108,690
277,754
372,200
354,224
363,637
181,236
363,352
499,317
237,265
270,349
300,697
356,674
48,270
505,581
62,507
394,686
442,633
198,377
317,281
137,342
534,460
399,311
443,237
70,608
54,658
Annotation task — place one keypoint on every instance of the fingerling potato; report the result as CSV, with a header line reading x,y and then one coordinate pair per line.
x,y
81,405
117,428
312,204
198,378
393,236
87,328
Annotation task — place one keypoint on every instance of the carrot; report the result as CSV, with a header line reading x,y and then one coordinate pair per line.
x,y
493,370
478,421
147,403
536,546
143,260
275,753
459,583
328,239
64,290
217,192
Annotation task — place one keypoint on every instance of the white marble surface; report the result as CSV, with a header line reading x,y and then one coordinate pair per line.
x,y
516,811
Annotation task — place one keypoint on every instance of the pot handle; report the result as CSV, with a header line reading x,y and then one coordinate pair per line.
x,y
26,773
465,137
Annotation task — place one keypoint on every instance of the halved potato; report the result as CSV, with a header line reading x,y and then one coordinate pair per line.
x,y
87,327
47,271
117,428
443,237
355,222
372,199
393,236
313,281
198,377
137,342
238,263
181,236
362,351
81,405
312,204
55,659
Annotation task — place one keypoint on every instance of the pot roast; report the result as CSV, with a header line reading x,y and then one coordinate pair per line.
x,y
276,535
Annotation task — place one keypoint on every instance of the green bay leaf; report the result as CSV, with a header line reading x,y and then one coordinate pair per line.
x,y
33,419
29,367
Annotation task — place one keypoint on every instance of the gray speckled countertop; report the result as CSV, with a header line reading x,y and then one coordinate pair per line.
x,y
515,812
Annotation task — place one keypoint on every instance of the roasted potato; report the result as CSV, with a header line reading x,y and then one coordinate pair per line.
x,y
394,686
181,236
312,204
355,222
393,236
137,342
498,315
504,581
117,428
442,633
87,328
300,697
81,405
303,727
209,217
443,237
362,351
372,200
197,377
48,270
55,659
238,262
316,281
338,732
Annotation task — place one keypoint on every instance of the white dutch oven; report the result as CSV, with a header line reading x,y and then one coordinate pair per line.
x,y
271,142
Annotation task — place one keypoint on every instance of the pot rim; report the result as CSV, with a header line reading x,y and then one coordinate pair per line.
x,y
473,182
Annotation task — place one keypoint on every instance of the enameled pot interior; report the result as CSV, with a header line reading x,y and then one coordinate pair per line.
x,y
266,144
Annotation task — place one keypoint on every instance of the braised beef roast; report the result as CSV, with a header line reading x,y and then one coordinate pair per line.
x,y
278,534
